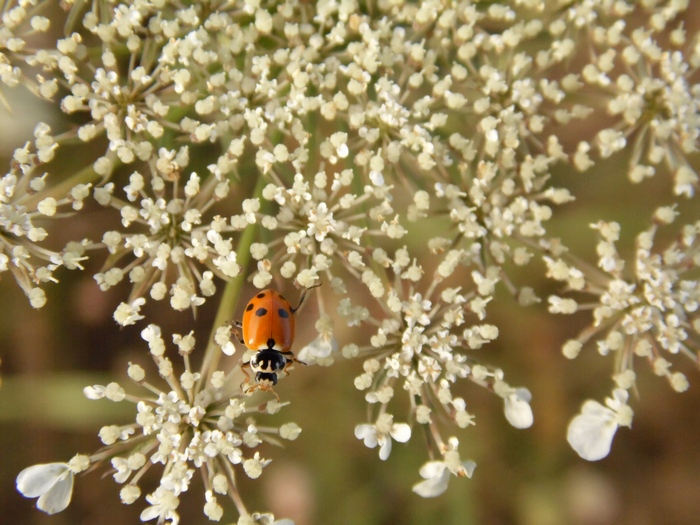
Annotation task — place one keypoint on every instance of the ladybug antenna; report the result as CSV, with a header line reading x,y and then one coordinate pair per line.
x,y
303,296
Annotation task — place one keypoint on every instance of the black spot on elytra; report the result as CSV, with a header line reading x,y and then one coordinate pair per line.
x,y
284,314
260,295
249,307
270,343
260,312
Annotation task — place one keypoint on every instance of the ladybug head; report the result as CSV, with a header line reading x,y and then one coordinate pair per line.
x,y
265,381
268,362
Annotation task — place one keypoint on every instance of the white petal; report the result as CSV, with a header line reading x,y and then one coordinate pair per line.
x,y
228,348
620,397
401,432
149,513
36,480
591,433
361,431
57,497
432,487
595,409
94,392
377,178
517,409
319,348
368,434
432,469
385,449
469,467
524,394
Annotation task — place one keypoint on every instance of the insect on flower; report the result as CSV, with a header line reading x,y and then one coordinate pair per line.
x,y
268,329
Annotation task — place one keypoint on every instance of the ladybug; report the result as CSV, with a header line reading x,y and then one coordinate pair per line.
x,y
268,330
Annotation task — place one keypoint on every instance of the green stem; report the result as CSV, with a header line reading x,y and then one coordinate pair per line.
x,y
60,190
232,291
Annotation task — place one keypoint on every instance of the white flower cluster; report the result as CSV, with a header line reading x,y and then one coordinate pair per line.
x,y
319,220
168,232
651,314
194,423
655,102
25,202
21,22
424,346
406,155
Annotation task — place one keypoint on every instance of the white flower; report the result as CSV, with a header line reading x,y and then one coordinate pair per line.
x,y
591,432
112,391
262,519
37,297
319,348
212,509
125,466
290,431
307,278
381,434
52,483
128,314
517,408
227,264
254,466
321,222
163,506
47,206
129,494
436,474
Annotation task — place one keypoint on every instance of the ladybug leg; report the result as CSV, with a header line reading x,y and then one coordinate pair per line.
x,y
289,356
275,393
289,361
249,391
236,327
303,296
246,374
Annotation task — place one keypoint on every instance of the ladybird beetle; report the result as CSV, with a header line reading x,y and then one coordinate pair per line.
x,y
268,329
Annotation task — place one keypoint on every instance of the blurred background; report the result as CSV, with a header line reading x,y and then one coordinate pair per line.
x,y
327,476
